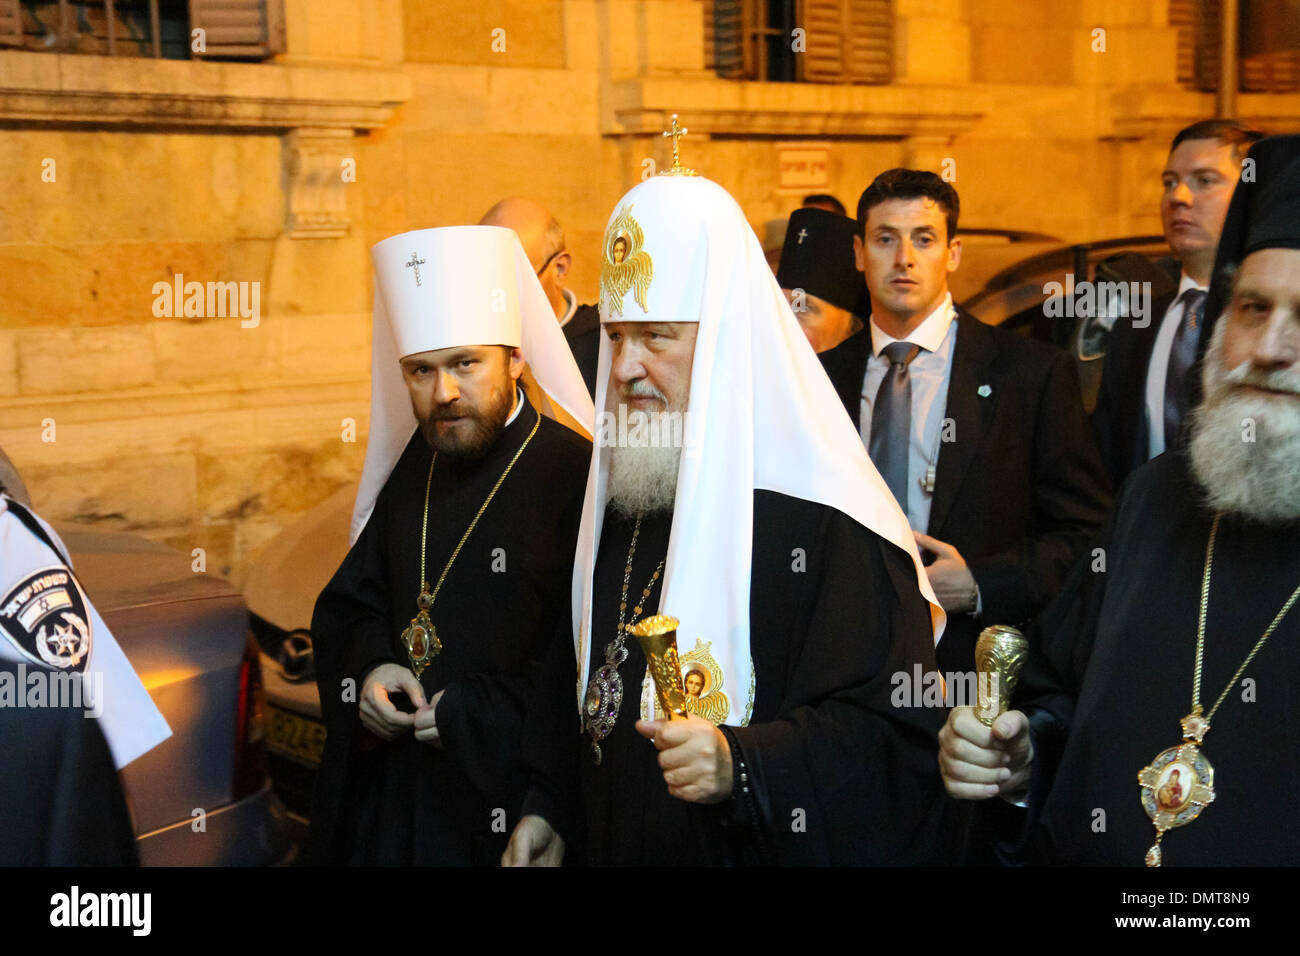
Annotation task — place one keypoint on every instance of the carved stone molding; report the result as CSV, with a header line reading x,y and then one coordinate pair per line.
x,y
314,161
713,106
1158,113
129,91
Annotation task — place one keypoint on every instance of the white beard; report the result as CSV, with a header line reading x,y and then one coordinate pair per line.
x,y
643,476
1257,478
642,479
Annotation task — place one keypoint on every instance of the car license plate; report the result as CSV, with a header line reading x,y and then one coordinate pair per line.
x,y
301,738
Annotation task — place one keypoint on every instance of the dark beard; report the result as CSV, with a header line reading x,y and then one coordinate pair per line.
x,y
487,425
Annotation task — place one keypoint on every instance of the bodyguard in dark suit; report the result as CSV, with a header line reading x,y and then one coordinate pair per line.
x,y
1147,375
980,432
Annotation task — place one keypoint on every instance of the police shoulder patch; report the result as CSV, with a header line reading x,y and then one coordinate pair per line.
x,y
45,617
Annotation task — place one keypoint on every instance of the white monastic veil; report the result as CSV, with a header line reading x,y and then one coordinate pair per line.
x,y
762,415
475,286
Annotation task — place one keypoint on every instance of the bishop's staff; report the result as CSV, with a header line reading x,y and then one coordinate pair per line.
x,y
657,636
999,655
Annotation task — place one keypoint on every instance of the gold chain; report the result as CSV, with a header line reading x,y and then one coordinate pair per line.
x,y
645,593
1200,630
424,528
605,690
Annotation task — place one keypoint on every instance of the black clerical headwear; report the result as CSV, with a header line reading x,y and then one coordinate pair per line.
x,y
818,258
1264,214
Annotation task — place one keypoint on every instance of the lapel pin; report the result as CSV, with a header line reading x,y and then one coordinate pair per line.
x,y
985,391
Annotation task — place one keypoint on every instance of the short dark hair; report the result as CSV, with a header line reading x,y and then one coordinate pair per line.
x,y
910,184
825,199
1228,132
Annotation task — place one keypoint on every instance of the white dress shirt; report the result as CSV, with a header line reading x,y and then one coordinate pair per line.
x,y
519,406
929,372
572,299
1158,368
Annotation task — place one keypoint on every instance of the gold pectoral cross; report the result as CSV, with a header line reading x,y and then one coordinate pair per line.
x,y
421,641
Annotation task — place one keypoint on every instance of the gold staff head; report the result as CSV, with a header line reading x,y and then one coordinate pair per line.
x,y
657,636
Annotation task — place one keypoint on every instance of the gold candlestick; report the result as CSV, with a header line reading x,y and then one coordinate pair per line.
x,y
657,636
999,655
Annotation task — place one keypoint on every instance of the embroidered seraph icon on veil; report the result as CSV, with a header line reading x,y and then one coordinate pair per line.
x,y
625,266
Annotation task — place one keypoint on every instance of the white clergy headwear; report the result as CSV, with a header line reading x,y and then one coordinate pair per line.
x,y
448,288
762,414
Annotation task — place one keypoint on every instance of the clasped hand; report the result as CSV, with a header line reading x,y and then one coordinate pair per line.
x,y
949,575
381,718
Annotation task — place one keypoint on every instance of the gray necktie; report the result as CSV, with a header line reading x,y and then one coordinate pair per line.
x,y
891,420
1181,357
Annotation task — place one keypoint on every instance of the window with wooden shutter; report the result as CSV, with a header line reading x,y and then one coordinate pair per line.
x,y
239,29
844,41
710,60
1274,72
727,27
235,29
1197,23
11,23
146,28
1182,16
871,41
825,23
1207,17
1270,46
847,41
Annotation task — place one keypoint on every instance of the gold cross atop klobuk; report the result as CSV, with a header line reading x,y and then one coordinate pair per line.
x,y
677,169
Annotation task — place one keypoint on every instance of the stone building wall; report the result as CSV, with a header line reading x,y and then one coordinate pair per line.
x,y
206,431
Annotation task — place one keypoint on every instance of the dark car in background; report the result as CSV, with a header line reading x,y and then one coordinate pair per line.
x,y
1015,295
282,585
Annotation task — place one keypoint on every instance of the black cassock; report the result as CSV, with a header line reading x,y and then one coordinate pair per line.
x,y
1110,677
403,801
838,774
61,803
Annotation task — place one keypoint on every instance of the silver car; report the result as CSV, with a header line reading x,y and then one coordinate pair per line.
x,y
202,797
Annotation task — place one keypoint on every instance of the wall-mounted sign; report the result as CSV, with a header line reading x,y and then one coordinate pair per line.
x,y
803,167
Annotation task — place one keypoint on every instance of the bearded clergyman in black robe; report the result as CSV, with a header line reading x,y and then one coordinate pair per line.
x,y
730,493
429,637
1156,719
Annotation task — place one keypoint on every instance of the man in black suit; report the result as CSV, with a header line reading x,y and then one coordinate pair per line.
x,y
980,433
1145,379
543,242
